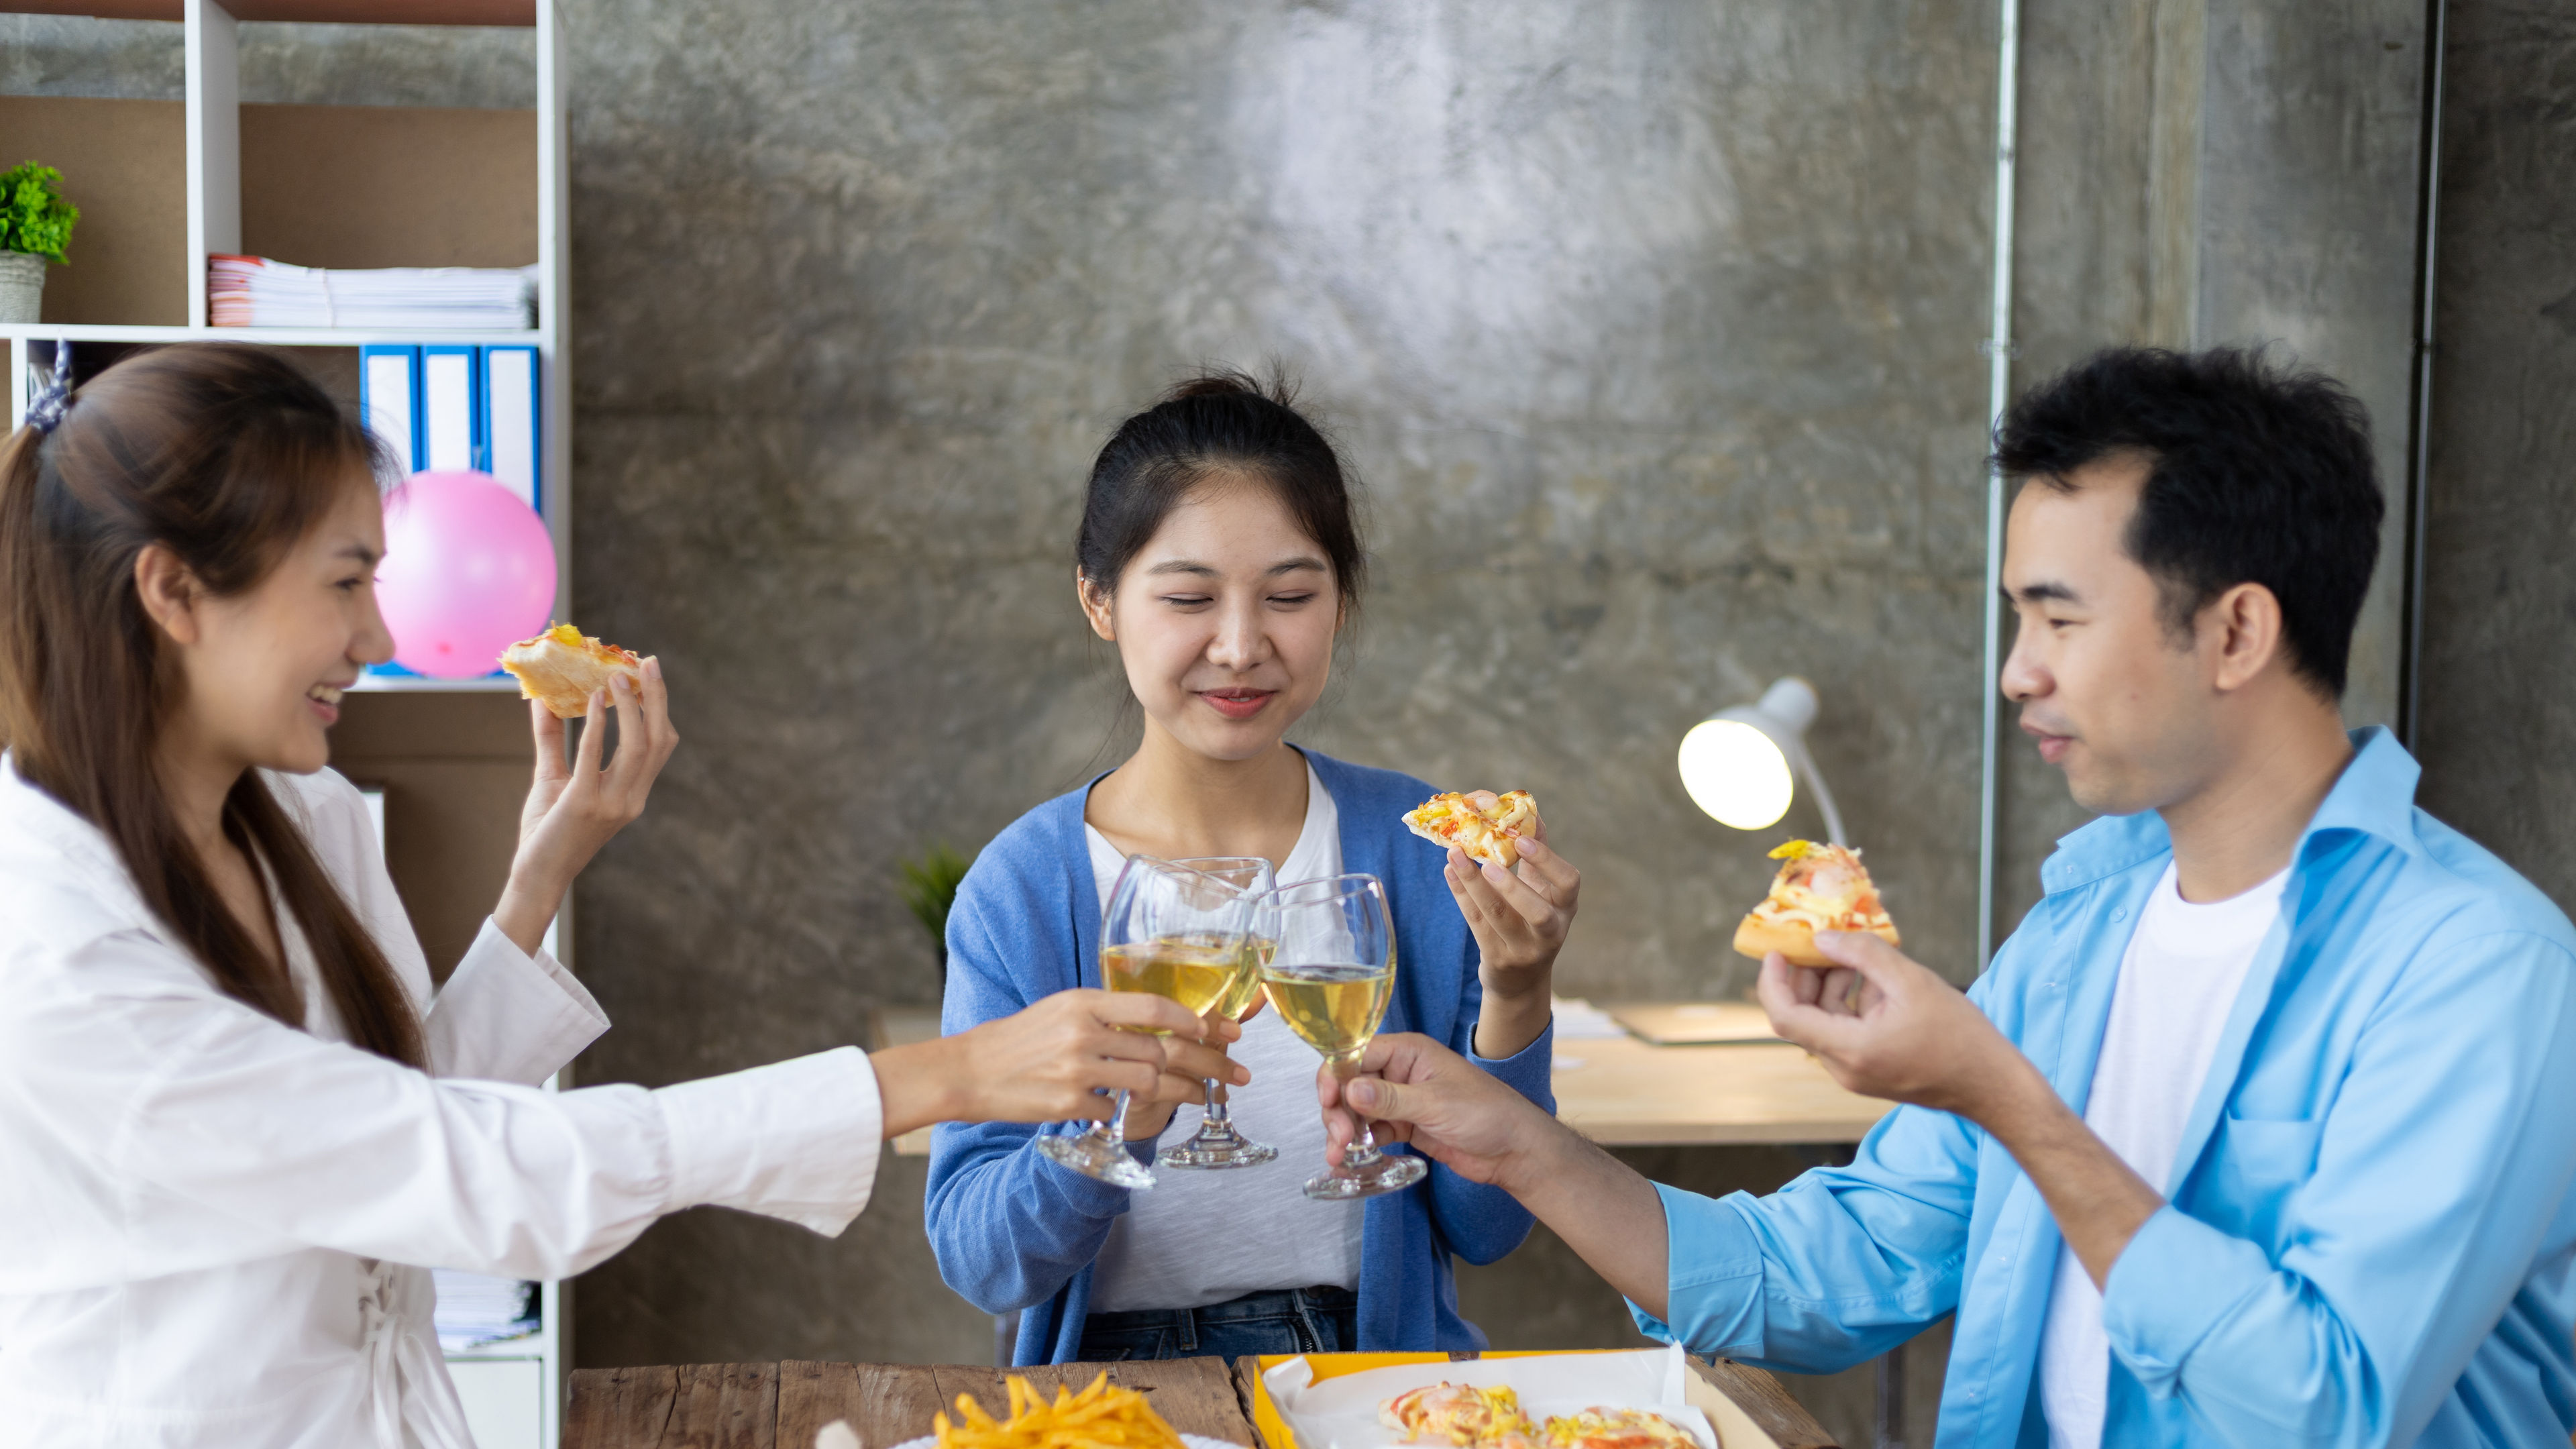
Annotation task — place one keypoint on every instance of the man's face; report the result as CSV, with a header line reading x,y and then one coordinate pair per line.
x,y
2125,707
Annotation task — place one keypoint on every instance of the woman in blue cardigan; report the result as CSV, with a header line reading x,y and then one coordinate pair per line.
x,y
1219,553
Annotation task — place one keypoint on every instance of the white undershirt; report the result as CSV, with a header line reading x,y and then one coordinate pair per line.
x,y
2178,983
1185,1243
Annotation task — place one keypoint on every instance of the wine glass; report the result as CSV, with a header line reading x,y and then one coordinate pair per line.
x,y
1176,933
1217,1143
1331,982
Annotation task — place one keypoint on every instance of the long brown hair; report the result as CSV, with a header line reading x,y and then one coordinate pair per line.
x,y
225,455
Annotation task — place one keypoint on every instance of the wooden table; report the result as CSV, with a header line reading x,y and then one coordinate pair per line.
x,y
783,1405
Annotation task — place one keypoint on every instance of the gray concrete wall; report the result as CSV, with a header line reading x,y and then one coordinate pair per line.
x,y
2498,700
2206,172
1653,330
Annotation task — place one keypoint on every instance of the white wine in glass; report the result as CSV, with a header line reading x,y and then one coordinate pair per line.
x,y
1331,982
1336,1008
1194,970
1174,933
1218,1143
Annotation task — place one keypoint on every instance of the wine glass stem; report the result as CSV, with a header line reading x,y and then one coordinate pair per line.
x,y
1215,1102
1363,1148
1115,1129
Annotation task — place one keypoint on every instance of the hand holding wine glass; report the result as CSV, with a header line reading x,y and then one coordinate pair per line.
x,y
1047,1062
1217,1143
1331,982
1170,932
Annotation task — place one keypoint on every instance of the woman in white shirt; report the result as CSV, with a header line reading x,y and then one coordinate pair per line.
x,y
232,1114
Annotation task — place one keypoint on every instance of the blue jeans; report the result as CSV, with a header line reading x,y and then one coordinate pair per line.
x,y
1284,1320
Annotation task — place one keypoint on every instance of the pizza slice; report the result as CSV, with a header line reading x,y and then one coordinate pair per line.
x,y
562,666
1461,1415
1819,888
1602,1428
1487,826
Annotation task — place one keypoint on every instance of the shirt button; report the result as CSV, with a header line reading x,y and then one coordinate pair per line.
x,y
2121,914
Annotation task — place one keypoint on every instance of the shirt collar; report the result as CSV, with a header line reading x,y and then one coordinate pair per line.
x,y
2375,795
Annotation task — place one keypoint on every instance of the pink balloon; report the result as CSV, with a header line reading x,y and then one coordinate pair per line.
x,y
469,570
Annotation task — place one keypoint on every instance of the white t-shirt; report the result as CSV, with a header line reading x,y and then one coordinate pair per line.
x,y
2178,982
1184,1244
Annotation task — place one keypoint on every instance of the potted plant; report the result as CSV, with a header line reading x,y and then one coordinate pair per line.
x,y
35,227
929,887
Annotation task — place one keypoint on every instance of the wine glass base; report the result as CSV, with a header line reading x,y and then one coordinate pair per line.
x,y
1090,1156
1367,1179
1222,1148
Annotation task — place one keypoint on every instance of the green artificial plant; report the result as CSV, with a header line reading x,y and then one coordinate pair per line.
x,y
34,217
929,888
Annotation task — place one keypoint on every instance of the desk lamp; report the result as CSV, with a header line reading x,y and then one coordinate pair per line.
x,y
1738,763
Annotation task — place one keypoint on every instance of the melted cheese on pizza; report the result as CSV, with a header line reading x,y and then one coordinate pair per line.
x,y
1462,1415
1600,1428
1824,888
1485,825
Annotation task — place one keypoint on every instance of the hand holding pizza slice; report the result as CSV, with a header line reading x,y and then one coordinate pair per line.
x,y
1487,826
562,667
1819,888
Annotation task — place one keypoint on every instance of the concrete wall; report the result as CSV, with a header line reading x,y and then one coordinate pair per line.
x,y
2498,700
2206,172
1653,330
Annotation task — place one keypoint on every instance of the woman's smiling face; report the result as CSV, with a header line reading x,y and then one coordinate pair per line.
x,y
1224,620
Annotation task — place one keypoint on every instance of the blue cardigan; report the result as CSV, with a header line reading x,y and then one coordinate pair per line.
x,y
1013,1230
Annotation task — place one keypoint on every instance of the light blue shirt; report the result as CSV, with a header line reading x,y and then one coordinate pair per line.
x,y
2368,1236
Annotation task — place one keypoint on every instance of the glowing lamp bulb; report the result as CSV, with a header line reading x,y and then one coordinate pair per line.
x,y
1735,773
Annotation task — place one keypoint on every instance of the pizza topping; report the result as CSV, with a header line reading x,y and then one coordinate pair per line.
x,y
1601,1428
563,666
1468,1417
1461,1415
1824,888
1487,826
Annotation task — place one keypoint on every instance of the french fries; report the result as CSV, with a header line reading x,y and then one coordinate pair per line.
x,y
1102,1416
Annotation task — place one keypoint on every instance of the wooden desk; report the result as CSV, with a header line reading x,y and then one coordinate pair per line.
x,y
1631,1093
783,1405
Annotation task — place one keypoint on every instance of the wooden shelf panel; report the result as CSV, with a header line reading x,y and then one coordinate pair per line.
x,y
267,336
521,13
389,186
125,165
454,768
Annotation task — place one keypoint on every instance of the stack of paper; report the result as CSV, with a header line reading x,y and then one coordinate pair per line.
x,y
257,292
474,1310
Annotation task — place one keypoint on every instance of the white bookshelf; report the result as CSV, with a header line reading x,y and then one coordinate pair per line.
x,y
214,223
514,1391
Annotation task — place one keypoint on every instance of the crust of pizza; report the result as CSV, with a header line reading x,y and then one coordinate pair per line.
x,y
1796,940
1819,888
562,666
1487,826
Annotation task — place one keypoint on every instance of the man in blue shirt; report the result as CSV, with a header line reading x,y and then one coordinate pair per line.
x,y
2261,1129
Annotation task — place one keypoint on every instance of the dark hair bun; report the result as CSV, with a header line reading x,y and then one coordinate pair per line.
x,y
1220,421
1233,382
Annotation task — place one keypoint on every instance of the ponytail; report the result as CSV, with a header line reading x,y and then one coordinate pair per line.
x,y
224,455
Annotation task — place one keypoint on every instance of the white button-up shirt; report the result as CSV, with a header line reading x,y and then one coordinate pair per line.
x,y
215,1228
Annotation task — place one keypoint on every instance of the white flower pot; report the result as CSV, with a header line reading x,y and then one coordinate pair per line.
x,y
22,287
